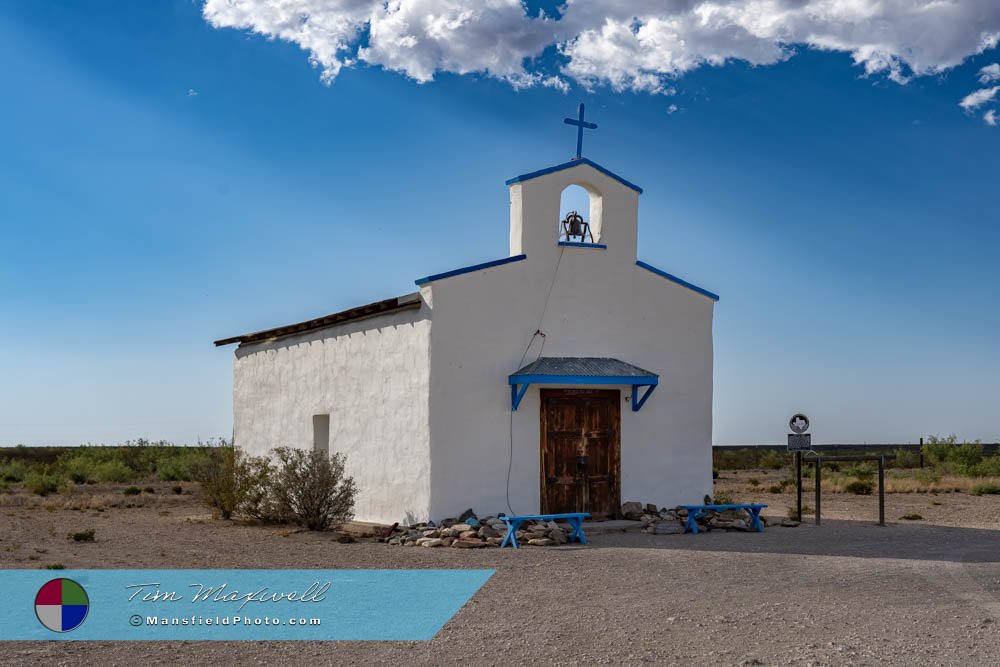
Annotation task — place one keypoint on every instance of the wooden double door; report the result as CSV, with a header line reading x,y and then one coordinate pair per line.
x,y
581,451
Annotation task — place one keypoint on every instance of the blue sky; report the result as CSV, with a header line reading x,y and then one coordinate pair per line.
x,y
165,182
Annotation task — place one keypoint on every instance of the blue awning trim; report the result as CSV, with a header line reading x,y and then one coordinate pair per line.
x,y
679,281
569,165
583,370
470,269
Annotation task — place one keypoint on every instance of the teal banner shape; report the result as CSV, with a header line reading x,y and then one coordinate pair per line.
x,y
232,604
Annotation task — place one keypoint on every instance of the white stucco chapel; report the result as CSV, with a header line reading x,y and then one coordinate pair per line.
x,y
567,376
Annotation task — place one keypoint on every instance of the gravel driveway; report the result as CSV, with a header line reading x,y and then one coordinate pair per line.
x,y
844,593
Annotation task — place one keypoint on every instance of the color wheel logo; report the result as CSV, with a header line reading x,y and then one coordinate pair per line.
x,y
61,605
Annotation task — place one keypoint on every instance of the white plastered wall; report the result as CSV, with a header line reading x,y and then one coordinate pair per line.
x,y
601,305
371,377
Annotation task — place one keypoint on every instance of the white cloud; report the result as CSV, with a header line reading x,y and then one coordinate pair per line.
x,y
673,108
991,117
192,92
640,45
989,73
976,99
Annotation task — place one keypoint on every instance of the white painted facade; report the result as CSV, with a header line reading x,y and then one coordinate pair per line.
x,y
419,399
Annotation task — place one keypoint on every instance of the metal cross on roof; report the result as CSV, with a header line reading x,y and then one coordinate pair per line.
x,y
580,124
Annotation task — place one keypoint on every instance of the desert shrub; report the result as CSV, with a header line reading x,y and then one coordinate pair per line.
x,y
40,483
967,455
311,488
83,536
14,471
132,491
774,459
948,453
219,484
113,471
723,498
80,469
927,476
906,457
753,481
911,517
148,489
986,488
776,488
177,490
861,487
936,449
255,478
833,466
988,467
861,471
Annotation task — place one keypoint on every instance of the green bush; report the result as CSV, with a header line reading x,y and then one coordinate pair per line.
x,y
776,488
986,488
861,471
82,536
41,484
948,453
312,489
906,457
14,471
911,517
753,481
988,467
860,487
132,491
774,459
220,487
177,490
80,469
113,471
723,498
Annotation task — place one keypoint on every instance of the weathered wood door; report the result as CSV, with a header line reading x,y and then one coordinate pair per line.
x,y
581,451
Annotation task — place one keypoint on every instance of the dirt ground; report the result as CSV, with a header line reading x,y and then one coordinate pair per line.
x,y
923,592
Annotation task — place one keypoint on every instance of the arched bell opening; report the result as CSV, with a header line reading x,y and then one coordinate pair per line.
x,y
580,214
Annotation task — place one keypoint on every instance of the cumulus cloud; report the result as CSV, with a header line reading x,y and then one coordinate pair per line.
x,y
990,117
640,45
976,99
989,73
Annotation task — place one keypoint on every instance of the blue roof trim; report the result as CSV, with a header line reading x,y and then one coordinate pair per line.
x,y
470,269
576,244
679,281
570,165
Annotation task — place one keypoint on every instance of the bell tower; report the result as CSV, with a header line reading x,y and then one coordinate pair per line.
x,y
610,224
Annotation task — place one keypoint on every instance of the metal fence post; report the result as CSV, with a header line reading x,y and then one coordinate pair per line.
x,y
817,490
881,490
798,486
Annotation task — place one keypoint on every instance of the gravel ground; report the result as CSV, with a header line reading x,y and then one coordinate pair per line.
x,y
845,593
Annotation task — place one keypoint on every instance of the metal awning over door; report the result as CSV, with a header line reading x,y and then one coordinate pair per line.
x,y
583,370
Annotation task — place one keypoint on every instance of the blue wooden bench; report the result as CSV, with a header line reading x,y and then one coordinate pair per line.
x,y
695,512
575,520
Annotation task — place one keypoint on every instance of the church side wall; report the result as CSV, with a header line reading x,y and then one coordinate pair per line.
x,y
600,306
372,378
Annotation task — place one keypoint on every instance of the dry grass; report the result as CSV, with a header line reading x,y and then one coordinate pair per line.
x,y
896,481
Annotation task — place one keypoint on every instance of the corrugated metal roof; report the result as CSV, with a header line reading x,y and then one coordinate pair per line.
x,y
585,366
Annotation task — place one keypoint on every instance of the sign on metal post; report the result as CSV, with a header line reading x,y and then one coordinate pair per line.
x,y
798,439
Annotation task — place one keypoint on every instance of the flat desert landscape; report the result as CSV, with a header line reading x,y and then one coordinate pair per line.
x,y
915,592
